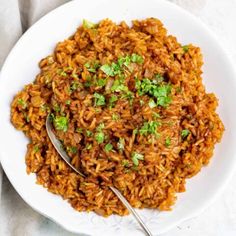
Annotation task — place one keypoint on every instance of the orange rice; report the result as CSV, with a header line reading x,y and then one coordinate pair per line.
x,y
130,108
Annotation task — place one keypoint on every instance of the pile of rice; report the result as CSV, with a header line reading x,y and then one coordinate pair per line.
x,y
130,108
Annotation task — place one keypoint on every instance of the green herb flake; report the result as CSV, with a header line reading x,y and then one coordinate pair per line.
x,y
22,103
57,108
152,103
79,130
89,133
100,127
100,137
68,102
73,150
112,100
135,131
167,142
149,128
107,69
61,72
74,86
99,99
88,146
150,87
136,157
115,116
88,25
108,147
185,133
136,58
121,144
185,48
61,123
141,102
156,115
125,163
87,64
101,82
75,76
36,149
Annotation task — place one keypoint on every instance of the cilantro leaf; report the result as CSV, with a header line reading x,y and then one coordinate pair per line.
x,y
167,142
185,133
22,103
99,99
185,48
121,144
88,25
100,137
149,128
136,58
61,123
136,157
108,147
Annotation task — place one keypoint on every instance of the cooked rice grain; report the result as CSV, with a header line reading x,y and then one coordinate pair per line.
x,y
166,158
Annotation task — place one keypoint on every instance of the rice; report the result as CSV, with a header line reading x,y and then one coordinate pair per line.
x,y
130,108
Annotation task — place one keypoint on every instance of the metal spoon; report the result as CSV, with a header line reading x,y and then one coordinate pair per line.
x,y
57,145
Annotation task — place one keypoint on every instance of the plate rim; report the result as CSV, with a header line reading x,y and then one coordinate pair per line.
x,y
210,34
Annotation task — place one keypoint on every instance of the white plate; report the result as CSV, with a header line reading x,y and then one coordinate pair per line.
x,y
21,67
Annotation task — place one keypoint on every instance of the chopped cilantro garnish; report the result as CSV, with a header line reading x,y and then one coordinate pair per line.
x,y
100,137
100,127
99,99
152,103
36,149
72,149
136,157
89,133
141,102
68,102
101,82
185,133
119,86
115,117
56,108
149,128
108,147
79,130
167,142
61,123
125,163
136,58
91,67
135,131
185,48
87,64
156,115
128,95
160,92
88,25
88,146
22,103
74,86
45,107
112,100
107,69
121,144
61,72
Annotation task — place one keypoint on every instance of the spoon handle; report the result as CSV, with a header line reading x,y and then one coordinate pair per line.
x,y
131,210
57,145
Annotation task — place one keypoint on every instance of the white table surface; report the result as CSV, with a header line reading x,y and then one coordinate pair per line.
x,y
18,219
